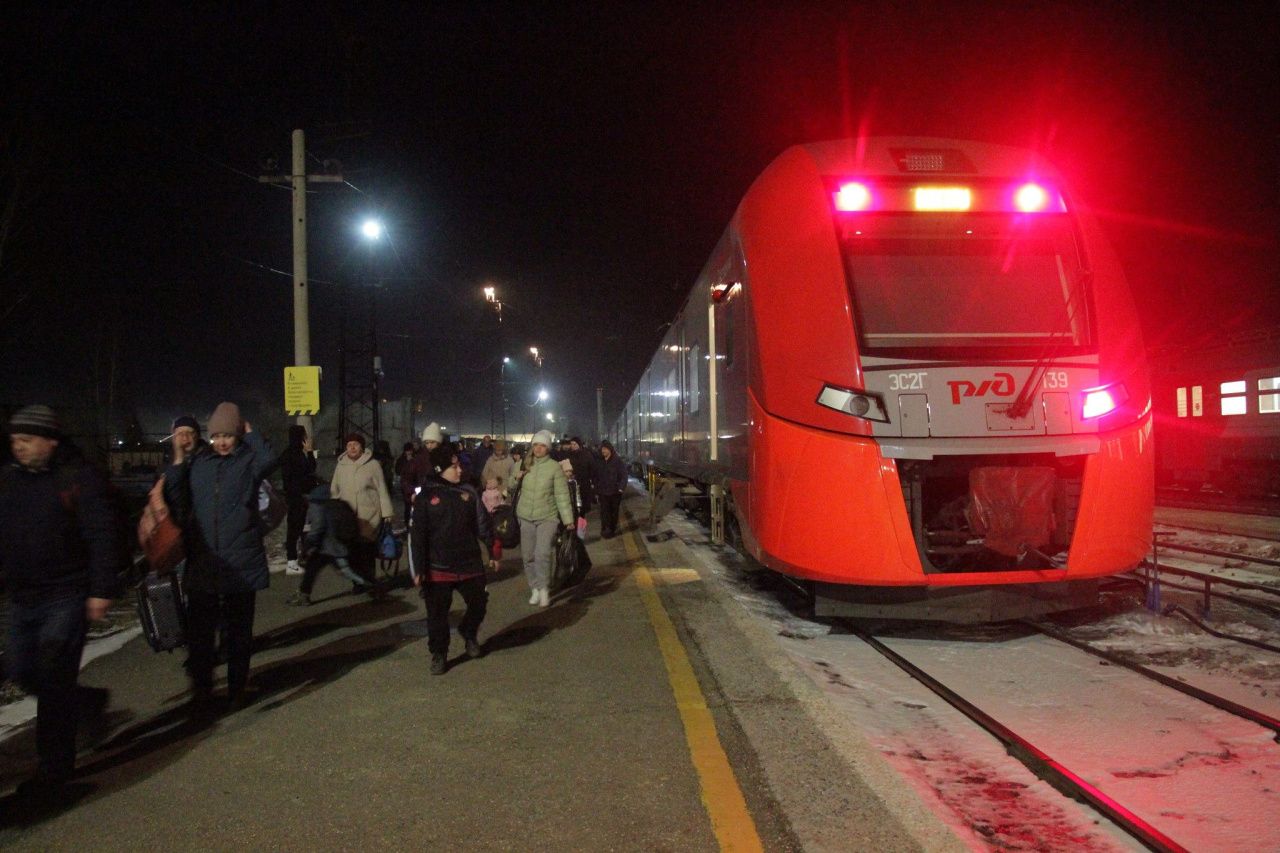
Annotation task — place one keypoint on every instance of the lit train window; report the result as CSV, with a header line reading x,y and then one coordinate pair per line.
x,y
1269,404
1197,401
1233,399
1182,402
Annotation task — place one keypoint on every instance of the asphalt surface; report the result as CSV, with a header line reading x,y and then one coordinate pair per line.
x,y
565,736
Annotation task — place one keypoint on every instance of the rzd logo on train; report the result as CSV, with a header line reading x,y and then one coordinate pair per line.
x,y
1001,386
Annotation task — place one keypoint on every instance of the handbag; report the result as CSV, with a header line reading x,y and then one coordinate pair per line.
x,y
158,534
389,545
272,508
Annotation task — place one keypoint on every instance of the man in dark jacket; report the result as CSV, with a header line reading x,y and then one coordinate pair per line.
x,y
298,474
226,562
584,464
444,554
61,562
610,478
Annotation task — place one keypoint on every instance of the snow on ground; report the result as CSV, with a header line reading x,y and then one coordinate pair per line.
x,y
1190,769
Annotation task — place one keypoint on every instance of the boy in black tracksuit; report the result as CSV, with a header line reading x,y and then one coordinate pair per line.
x,y
444,554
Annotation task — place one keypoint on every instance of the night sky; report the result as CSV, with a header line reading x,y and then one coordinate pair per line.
x,y
582,158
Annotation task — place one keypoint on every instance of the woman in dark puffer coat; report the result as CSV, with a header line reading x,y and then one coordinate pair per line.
x,y
226,561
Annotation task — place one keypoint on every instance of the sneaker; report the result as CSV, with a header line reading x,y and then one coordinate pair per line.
x,y
544,597
438,664
533,599
474,649
300,600
293,568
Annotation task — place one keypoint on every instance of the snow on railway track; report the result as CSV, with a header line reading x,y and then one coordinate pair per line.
x,y
1198,777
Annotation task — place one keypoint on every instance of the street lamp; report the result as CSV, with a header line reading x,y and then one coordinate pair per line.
x,y
359,391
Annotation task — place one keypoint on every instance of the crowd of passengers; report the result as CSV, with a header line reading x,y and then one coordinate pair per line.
x,y
63,558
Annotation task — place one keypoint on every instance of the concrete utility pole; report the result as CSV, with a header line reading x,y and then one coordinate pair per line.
x,y
297,179
599,413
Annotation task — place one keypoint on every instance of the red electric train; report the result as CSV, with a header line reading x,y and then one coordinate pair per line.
x,y
910,377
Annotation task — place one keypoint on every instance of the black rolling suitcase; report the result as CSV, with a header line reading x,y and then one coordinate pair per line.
x,y
162,611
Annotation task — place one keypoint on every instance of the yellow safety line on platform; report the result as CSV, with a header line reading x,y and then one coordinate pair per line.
x,y
730,820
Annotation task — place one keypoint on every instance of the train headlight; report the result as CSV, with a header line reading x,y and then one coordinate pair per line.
x,y
860,404
1103,401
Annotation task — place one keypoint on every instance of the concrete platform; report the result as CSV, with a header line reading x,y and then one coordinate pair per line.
x,y
582,729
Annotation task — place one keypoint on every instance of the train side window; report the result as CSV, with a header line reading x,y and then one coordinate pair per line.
x,y
1182,402
1269,404
1233,398
1197,401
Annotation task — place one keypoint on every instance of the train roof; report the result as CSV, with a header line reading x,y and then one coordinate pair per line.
x,y
922,156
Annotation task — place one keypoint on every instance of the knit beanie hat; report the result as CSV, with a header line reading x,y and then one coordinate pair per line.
x,y
440,458
185,421
226,419
544,437
432,432
36,420
357,438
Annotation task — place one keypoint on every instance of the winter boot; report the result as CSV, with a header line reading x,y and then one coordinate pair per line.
x,y
438,664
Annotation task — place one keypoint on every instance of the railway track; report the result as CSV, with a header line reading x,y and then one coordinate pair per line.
x,y
963,677
1219,502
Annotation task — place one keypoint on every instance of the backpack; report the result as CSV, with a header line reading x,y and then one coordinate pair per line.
x,y
346,527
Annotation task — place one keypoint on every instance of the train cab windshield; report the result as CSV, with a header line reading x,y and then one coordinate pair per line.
x,y
989,283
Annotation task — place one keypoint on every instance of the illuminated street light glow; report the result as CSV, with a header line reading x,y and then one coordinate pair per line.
x,y
490,294
371,229
543,395
550,416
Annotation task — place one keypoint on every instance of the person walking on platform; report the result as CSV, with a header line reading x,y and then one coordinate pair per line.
x,y
501,466
226,561
60,560
419,469
358,481
186,438
448,523
480,456
298,473
404,463
543,502
584,463
610,478
331,528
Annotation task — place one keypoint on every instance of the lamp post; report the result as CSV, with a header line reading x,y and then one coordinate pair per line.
x,y
491,297
359,407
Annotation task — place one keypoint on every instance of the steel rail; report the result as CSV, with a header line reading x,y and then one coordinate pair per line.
x,y
1218,531
1213,552
1225,596
1210,578
1219,702
1035,759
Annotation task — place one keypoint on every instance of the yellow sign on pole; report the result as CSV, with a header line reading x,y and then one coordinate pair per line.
x,y
302,390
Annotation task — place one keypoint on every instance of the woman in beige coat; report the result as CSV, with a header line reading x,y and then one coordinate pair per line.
x,y
358,480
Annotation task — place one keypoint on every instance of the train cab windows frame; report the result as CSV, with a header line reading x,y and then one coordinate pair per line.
x,y
1233,398
924,244
1269,395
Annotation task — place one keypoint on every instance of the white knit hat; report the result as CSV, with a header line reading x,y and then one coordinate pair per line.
x,y
432,432
545,437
